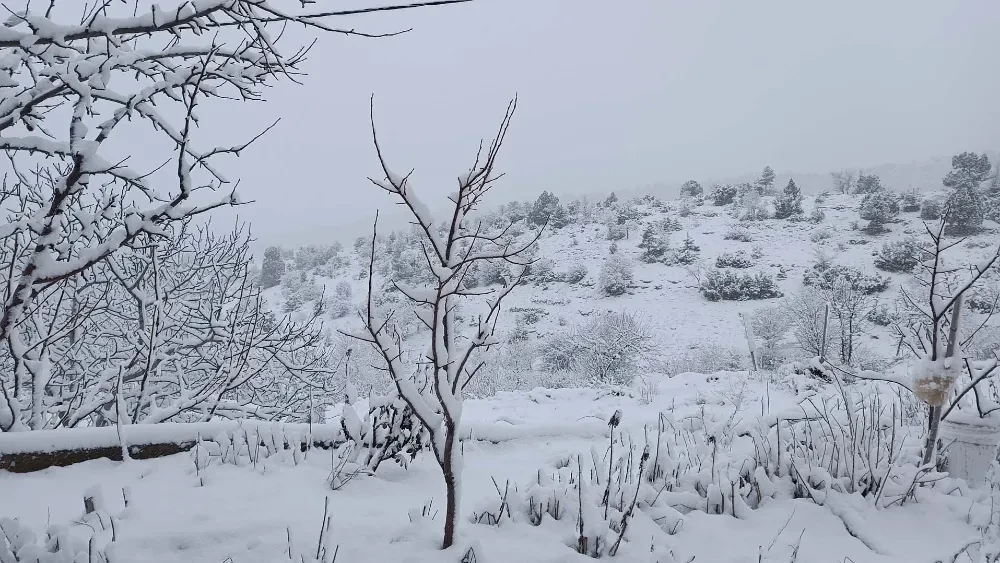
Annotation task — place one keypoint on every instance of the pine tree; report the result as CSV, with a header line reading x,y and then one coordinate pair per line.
x,y
691,188
272,267
868,183
688,252
611,200
545,206
655,243
965,208
789,203
878,208
766,181
560,217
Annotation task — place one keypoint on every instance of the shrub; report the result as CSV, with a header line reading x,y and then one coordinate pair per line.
x,y
494,272
757,252
820,234
616,275
617,232
899,256
736,232
738,260
576,273
722,285
930,209
655,243
608,350
723,195
825,277
543,270
688,252
965,211
817,215
789,203
881,316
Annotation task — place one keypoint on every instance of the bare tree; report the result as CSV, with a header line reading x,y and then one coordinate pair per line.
x,y
451,248
843,180
73,75
935,339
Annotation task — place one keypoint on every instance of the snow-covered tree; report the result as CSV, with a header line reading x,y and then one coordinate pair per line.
x,y
964,211
843,181
691,188
616,275
867,183
544,208
766,181
655,243
789,203
688,252
878,208
451,359
272,267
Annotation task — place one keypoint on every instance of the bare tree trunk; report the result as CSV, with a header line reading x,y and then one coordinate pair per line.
x,y
452,479
930,443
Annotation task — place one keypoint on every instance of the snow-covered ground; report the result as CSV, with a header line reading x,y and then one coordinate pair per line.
x,y
243,514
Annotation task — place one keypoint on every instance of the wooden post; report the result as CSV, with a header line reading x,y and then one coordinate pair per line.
x,y
748,329
826,323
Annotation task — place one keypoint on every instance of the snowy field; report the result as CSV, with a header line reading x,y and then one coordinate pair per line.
x,y
240,514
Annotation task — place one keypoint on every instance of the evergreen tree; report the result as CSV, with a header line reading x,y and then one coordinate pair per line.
x,y
691,188
766,181
560,217
272,267
688,252
878,208
545,206
655,243
789,202
867,184
612,199
964,211
965,208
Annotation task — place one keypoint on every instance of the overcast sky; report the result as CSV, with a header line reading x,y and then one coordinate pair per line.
x,y
615,95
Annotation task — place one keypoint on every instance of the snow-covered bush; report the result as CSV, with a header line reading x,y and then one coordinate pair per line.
x,y
726,285
770,325
389,431
494,272
817,215
608,350
616,275
729,260
655,243
825,276
900,256
691,188
723,195
738,233
789,203
616,231
543,270
576,273
820,234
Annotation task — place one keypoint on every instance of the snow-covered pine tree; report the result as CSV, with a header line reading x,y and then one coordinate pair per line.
x,y
964,209
878,208
765,184
655,243
688,252
789,203
450,357
272,267
691,188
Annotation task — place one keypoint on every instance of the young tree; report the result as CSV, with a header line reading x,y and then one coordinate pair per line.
x,y
655,243
611,200
272,267
691,188
789,203
878,208
449,360
688,252
766,181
